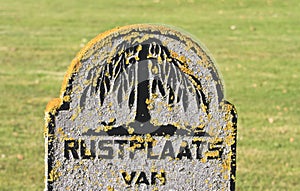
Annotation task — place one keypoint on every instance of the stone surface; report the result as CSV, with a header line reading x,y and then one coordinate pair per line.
x,y
141,108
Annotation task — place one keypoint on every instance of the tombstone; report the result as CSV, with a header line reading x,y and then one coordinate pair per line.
x,y
141,108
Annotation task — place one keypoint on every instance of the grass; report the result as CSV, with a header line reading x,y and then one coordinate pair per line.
x,y
259,61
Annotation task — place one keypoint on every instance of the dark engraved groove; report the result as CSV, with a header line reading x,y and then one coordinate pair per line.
x,y
174,86
103,82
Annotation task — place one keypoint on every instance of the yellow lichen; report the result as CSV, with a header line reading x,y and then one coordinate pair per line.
x,y
167,136
212,153
183,144
139,48
160,177
154,95
66,98
127,177
107,128
62,133
76,113
150,139
130,130
148,101
155,70
54,174
53,106
203,160
73,68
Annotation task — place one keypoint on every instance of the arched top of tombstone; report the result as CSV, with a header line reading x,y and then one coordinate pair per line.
x,y
194,59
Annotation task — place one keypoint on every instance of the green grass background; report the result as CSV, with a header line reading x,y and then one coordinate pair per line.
x,y
255,43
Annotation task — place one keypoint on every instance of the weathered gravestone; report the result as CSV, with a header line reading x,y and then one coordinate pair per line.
x,y
141,108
